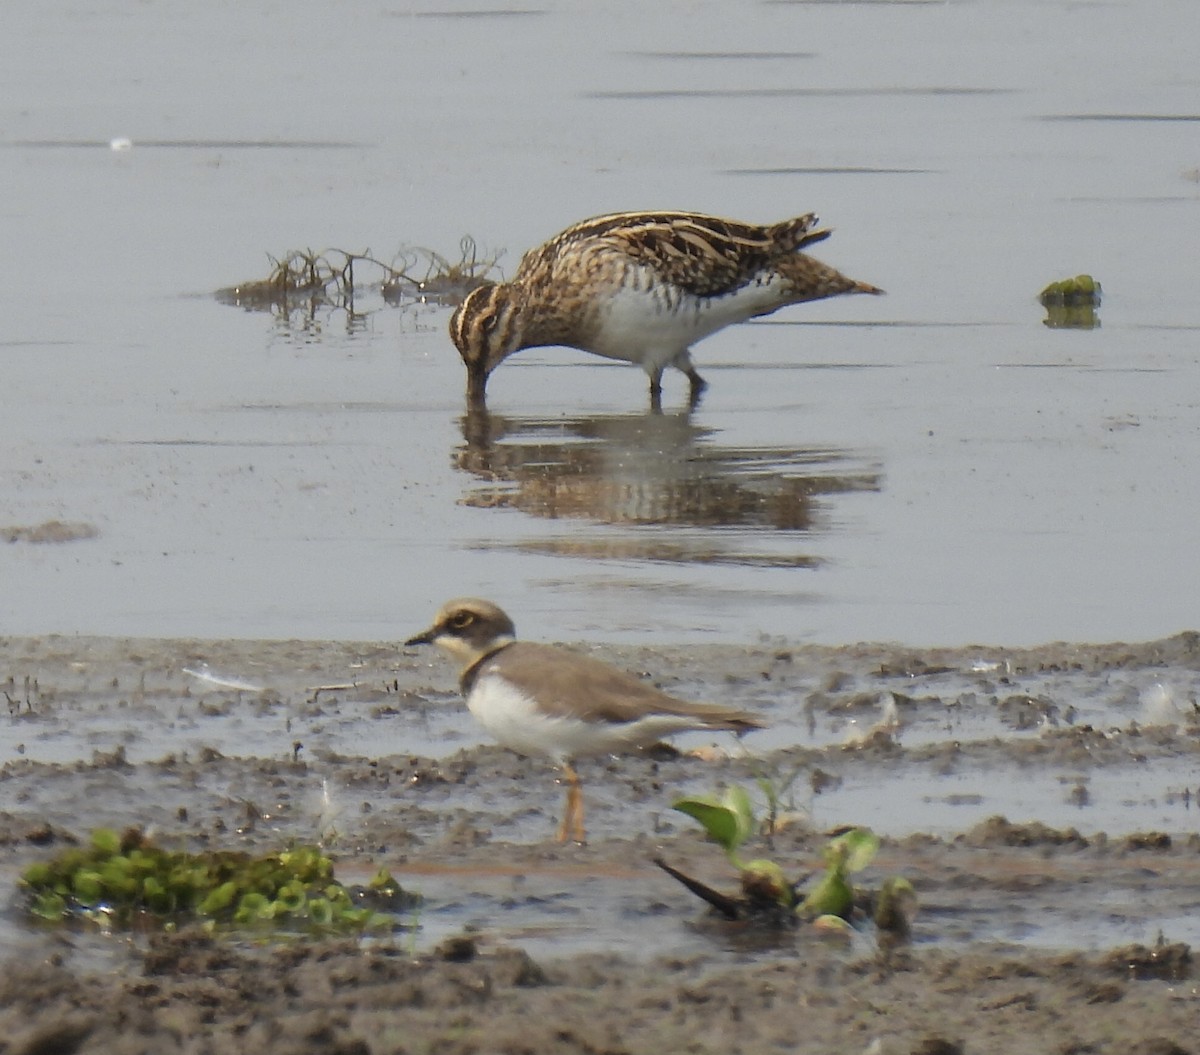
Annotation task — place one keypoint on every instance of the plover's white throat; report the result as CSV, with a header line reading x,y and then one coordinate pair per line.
x,y
544,700
643,287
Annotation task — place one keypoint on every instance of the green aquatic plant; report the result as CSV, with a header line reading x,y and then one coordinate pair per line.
x,y
830,898
1072,303
1082,289
126,880
728,820
844,855
779,791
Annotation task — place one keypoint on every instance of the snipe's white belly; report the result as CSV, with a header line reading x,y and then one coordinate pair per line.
x,y
652,326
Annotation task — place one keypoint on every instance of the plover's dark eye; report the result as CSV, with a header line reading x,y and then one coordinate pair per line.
x,y
461,620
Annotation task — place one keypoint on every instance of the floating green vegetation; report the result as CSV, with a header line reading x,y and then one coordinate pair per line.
x,y
124,881
1082,289
829,899
1072,303
308,281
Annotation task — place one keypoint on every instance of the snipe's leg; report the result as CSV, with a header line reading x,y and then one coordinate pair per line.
x,y
698,386
572,821
656,390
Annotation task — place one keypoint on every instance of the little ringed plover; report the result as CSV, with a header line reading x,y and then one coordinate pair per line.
x,y
543,700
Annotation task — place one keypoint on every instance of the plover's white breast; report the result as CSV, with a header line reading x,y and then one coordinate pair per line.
x,y
513,717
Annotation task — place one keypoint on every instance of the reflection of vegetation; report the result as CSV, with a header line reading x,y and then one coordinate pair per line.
x,y
649,470
305,283
830,900
666,551
1080,317
127,880
1072,303
48,531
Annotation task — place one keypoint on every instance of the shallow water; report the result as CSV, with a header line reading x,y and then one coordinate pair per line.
x,y
1100,748
934,466
252,745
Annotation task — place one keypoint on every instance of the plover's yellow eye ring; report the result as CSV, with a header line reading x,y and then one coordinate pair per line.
x,y
462,620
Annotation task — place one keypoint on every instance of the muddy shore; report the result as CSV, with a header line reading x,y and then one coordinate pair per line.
x,y
1032,934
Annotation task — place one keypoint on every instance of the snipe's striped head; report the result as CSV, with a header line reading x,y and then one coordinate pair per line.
x,y
486,329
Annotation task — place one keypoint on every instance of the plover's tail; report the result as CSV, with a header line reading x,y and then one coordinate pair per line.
x,y
712,715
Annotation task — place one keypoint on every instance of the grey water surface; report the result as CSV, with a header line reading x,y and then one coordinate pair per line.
x,y
936,466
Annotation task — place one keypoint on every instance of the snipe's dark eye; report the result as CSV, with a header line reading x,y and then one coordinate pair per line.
x,y
462,620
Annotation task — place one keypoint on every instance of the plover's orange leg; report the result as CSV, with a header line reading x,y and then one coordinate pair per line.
x,y
572,821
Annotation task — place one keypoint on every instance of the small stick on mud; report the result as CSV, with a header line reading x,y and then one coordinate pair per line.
x,y
729,907
316,690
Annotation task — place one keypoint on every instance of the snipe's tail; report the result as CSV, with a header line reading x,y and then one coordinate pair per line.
x,y
791,236
811,280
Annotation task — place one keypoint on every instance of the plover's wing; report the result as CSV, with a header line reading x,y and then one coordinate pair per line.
x,y
567,684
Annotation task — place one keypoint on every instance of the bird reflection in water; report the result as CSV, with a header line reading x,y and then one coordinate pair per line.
x,y
639,472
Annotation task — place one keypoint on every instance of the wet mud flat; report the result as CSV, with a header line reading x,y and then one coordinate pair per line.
x,y
1062,920
194,994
